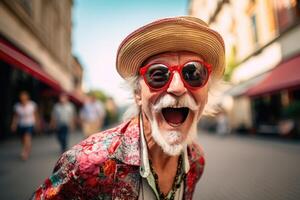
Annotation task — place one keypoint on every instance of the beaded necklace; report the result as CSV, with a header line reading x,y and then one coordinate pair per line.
x,y
176,184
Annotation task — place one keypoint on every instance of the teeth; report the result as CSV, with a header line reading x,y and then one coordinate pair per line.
x,y
175,106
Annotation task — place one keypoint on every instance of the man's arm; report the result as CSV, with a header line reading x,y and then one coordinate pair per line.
x,y
14,123
53,122
73,120
37,119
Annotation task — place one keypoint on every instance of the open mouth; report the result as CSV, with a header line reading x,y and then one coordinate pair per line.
x,y
175,116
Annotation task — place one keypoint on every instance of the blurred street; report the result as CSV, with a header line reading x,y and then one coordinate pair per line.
x,y
249,168
237,167
60,63
19,179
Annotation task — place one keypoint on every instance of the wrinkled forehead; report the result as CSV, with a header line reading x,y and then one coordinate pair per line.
x,y
178,56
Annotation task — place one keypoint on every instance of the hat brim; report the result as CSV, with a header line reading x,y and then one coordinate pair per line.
x,y
169,35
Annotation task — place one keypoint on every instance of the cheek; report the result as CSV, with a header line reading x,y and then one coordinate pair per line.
x,y
148,98
201,97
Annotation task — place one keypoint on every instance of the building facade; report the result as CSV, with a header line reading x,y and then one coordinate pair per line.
x,y
35,55
263,61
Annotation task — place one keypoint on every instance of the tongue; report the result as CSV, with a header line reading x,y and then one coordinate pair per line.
x,y
173,115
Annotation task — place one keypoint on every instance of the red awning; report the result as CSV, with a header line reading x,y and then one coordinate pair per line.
x,y
18,59
77,99
285,76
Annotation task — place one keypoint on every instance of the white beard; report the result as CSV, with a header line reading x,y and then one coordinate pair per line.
x,y
164,140
169,140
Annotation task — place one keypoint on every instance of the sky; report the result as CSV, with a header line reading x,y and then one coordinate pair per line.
x,y
99,26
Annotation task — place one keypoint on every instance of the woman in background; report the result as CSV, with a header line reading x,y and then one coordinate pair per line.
x,y
24,121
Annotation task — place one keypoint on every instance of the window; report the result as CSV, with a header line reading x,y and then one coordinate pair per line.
x,y
254,28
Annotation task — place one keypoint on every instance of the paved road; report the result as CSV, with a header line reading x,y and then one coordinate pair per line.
x,y
19,179
238,168
249,168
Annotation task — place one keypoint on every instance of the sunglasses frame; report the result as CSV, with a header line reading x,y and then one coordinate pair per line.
x,y
172,69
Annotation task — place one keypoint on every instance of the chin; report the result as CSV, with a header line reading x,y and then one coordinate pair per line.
x,y
173,141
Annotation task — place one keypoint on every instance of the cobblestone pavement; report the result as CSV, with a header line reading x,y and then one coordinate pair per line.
x,y
237,168
249,168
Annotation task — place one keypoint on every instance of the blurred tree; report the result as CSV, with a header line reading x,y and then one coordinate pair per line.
x,y
231,64
112,114
100,95
292,111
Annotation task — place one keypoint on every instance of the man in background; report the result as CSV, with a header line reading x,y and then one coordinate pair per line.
x,y
92,115
63,118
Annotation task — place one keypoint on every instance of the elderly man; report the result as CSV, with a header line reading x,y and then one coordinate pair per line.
x,y
171,64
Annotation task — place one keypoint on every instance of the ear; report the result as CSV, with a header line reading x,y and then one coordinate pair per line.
x,y
138,98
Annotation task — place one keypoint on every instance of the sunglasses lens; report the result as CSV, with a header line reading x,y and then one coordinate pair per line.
x,y
157,75
195,74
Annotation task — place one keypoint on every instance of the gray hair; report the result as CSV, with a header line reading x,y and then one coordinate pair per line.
x,y
215,88
132,84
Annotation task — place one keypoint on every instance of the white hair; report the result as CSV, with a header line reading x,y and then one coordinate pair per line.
x,y
131,84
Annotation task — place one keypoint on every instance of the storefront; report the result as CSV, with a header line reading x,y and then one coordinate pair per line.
x,y
275,100
18,72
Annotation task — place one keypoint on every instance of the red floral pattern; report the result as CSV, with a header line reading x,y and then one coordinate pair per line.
x,y
106,166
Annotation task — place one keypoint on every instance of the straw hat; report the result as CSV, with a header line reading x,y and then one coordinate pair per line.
x,y
167,35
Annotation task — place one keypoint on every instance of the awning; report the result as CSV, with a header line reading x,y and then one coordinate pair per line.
x,y
18,59
241,88
285,76
77,99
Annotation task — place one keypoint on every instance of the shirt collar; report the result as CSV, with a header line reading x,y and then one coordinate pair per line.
x,y
145,166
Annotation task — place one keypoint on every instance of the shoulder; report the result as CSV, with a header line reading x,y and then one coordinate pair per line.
x,y
196,157
86,170
196,153
99,104
32,104
95,151
56,105
197,162
88,157
71,104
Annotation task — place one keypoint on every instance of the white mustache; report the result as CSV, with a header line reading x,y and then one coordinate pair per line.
x,y
170,101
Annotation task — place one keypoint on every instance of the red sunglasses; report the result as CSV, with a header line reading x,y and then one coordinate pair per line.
x,y
194,74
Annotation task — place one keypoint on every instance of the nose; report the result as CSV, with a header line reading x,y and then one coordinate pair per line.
x,y
176,86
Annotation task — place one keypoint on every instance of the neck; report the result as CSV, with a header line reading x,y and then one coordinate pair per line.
x,y
160,160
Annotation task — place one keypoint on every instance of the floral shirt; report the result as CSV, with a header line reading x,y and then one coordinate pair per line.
x,y
107,166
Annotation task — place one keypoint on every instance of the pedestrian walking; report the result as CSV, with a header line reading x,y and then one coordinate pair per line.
x,y
25,119
111,117
222,128
92,115
171,65
63,120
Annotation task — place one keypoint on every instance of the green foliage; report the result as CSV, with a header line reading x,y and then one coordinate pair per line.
x,y
293,110
100,95
112,116
231,64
